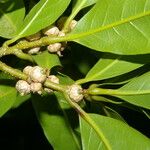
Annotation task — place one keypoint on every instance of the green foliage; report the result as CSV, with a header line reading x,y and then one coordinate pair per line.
x,y
113,129
47,60
139,84
127,32
54,120
11,17
36,19
57,118
7,98
107,53
108,67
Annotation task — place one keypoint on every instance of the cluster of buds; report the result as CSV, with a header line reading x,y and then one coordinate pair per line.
x,y
51,31
54,31
36,77
56,47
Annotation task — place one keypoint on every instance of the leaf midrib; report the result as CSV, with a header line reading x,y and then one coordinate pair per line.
x,y
87,79
32,20
73,36
102,71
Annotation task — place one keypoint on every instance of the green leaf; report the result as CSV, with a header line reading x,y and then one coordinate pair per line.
x,y
58,120
7,98
120,26
43,14
113,114
47,60
54,121
11,17
110,66
77,6
140,87
89,3
82,4
120,135
15,100
19,100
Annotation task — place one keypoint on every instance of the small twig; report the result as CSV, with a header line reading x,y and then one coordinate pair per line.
x,y
20,75
22,55
44,41
13,72
89,120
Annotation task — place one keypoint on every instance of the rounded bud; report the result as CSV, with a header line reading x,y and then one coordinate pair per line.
x,y
72,25
38,74
53,79
27,70
61,34
54,47
34,37
34,50
23,87
62,48
51,31
75,92
36,87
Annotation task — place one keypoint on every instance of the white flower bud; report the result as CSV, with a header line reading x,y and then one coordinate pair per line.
x,y
38,74
72,25
34,37
75,92
53,79
34,50
61,34
54,47
36,87
51,31
27,70
23,87
62,48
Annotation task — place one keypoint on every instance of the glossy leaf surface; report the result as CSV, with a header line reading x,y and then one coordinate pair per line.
x,y
43,14
55,116
120,27
83,3
11,17
89,3
110,67
136,86
119,135
7,98
47,60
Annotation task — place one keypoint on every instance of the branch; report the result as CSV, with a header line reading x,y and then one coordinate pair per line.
x,y
89,120
20,75
22,45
